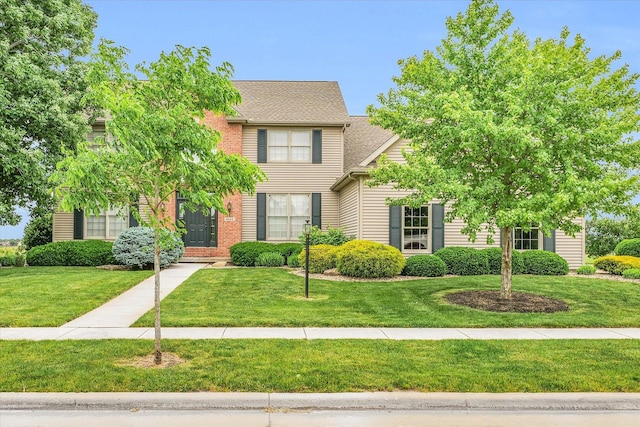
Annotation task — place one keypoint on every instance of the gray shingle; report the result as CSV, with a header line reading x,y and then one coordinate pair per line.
x,y
361,139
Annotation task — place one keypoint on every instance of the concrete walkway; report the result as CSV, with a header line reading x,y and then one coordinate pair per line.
x,y
113,320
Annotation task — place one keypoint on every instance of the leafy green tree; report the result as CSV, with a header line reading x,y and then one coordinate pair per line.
x,y
41,86
156,143
603,234
511,132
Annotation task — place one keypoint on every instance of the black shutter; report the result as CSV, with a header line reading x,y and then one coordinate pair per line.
x,y
395,226
133,222
261,233
316,209
262,146
316,146
78,224
437,227
549,243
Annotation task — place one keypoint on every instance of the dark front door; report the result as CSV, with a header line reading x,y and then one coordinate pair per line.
x,y
201,228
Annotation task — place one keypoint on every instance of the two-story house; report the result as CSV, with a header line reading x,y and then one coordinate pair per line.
x,y
316,159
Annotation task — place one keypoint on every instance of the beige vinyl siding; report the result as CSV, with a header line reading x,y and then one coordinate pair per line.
x,y
454,237
295,178
572,248
350,207
62,226
375,212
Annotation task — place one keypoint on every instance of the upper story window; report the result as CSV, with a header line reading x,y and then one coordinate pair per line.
x,y
108,225
526,240
286,215
289,146
415,230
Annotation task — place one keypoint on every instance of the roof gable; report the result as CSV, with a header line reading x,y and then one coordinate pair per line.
x,y
362,141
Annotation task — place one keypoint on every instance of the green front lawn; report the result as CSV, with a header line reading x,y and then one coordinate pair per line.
x,y
325,366
52,296
275,297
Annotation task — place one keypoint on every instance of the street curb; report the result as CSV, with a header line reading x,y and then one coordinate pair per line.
x,y
282,402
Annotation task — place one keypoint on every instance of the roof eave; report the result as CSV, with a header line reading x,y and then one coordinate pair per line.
x,y
344,179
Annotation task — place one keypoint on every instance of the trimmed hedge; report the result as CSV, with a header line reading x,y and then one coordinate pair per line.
x,y
464,261
632,273
425,266
615,264
288,249
544,263
7,260
270,259
134,247
586,270
629,247
321,258
293,261
494,257
245,254
88,253
367,259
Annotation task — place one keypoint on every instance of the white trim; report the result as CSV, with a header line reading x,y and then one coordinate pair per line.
x,y
388,143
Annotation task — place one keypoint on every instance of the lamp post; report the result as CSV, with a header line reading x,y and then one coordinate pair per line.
x,y
307,232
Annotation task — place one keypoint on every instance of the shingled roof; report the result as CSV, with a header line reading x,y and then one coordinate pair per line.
x,y
361,139
290,102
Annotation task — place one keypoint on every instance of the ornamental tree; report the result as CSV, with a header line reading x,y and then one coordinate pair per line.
x,y
511,132
41,86
156,143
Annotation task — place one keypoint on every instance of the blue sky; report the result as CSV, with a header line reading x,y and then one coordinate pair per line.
x,y
356,43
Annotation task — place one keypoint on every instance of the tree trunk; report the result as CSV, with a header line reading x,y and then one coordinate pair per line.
x,y
156,269
507,248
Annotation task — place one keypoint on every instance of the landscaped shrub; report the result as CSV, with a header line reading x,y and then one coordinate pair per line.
x,y
632,273
630,247
464,261
7,260
615,264
494,258
72,252
586,269
293,261
321,258
134,247
245,254
38,231
367,259
20,259
270,259
333,236
544,263
288,249
425,266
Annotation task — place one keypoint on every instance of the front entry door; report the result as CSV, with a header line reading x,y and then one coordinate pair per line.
x,y
201,228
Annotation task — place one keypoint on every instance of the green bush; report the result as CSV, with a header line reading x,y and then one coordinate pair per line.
x,y
72,252
270,259
134,247
20,260
615,264
494,258
245,254
39,231
367,259
464,261
544,263
629,247
288,249
293,261
7,260
586,269
425,266
632,273
333,236
321,258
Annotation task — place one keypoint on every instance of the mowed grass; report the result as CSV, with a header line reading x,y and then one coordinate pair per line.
x,y
324,366
52,296
275,297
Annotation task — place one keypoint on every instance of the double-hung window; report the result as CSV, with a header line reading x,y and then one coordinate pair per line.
x,y
526,240
292,145
286,215
415,231
108,225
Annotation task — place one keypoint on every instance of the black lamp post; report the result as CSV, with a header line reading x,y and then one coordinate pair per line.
x,y
307,232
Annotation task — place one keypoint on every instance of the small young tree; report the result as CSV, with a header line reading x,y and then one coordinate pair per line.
x,y
156,144
511,132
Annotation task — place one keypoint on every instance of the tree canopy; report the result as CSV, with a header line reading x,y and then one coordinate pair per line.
x,y
41,86
156,143
512,132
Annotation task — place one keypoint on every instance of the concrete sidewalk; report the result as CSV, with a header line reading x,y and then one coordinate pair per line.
x,y
397,400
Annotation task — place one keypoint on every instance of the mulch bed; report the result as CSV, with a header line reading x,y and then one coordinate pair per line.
x,y
520,302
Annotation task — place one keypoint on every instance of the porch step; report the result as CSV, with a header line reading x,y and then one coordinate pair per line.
x,y
210,259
